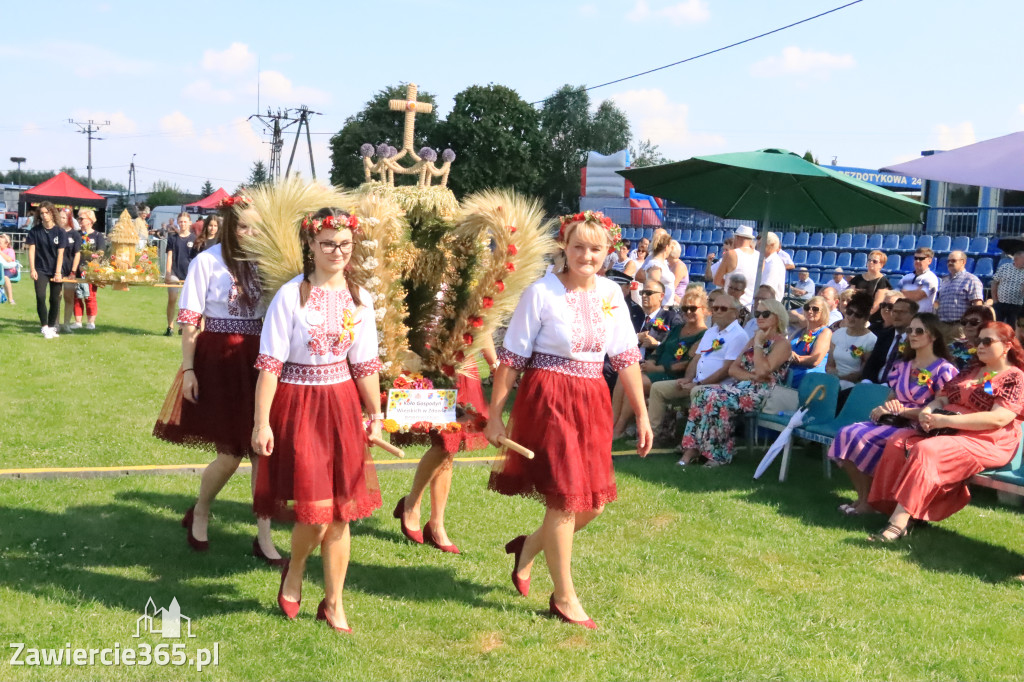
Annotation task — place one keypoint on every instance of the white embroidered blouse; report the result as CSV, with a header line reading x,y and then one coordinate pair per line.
x,y
327,341
570,332
210,290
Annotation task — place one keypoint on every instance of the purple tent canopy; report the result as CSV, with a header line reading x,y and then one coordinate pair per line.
x,y
998,162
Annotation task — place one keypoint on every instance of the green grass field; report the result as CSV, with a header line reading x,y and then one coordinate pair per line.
x,y
691,574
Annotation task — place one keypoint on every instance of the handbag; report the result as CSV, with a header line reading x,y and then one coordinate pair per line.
x,y
945,431
900,422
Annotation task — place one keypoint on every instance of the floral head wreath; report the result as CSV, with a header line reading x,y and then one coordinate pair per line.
x,y
239,200
312,225
597,218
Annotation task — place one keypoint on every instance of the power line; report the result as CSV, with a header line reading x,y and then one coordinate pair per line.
x,y
711,52
88,128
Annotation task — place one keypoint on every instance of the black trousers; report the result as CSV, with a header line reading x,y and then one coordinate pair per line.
x,y
47,319
1007,312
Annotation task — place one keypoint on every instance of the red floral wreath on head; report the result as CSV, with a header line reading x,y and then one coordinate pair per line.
x,y
312,225
231,202
595,218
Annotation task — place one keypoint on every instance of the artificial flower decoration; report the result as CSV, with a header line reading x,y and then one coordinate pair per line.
x,y
476,321
716,345
659,324
499,286
467,339
681,351
512,250
902,348
972,351
597,218
924,377
607,307
857,351
487,302
511,267
231,202
807,338
986,381
313,226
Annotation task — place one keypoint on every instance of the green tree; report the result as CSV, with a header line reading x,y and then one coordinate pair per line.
x,y
164,193
376,124
258,175
565,124
207,189
808,156
496,135
609,129
646,153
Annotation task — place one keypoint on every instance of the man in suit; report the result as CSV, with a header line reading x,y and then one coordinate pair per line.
x,y
886,351
657,321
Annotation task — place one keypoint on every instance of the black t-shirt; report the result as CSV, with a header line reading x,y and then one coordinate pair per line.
x,y
74,247
871,286
47,243
181,251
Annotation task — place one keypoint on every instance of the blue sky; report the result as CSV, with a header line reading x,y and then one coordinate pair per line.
x,y
871,85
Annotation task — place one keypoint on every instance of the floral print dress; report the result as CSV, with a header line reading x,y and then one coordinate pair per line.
x,y
709,429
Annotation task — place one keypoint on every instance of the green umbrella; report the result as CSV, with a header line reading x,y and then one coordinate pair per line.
x,y
774,184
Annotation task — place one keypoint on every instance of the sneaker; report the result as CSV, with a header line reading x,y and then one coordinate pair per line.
x,y
90,325
49,333
45,331
169,332
76,325
66,328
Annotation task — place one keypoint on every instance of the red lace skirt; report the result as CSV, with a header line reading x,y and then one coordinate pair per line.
x,y
320,470
567,422
473,420
222,417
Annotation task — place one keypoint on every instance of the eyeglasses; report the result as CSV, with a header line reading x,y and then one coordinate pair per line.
x,y
721,308
336,247
690,308
954,260
874,261
917,331
763,313
921,257
812,309
885,306
987,341
650,292
854,313
972,322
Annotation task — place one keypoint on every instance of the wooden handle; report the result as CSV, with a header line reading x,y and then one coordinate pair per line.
x,y
387,447
164,285
516,447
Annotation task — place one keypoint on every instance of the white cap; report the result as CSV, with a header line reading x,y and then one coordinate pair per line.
x,y
745,231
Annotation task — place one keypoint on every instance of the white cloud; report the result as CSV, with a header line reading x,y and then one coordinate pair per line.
x,y
276,87
653,116
204,91
796,61
680,13
177,124
119,123
237,136
1020,108
233,60
951,137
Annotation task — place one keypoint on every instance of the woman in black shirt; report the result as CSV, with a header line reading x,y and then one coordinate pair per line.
x,y
180,252
69,266
873,282
46,243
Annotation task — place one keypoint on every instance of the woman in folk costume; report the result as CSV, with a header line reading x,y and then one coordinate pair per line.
x,y
210,403
318,359
562,329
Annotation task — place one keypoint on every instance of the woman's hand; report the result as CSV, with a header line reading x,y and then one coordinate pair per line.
x,y
190,386
930,420
877,413
495,431
894,406
263,440
35,275
649,366
373,430
644,436
56,278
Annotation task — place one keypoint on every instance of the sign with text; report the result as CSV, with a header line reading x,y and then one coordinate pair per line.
x,y
408,406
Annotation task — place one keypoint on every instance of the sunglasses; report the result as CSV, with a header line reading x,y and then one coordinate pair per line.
x,y
987,341
973,322
763,313
921,257
954,260
650,292
874,261
917,331
690,308
812,309
721,308
854,313
885,306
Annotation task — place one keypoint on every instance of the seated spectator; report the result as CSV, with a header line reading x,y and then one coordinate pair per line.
x,y
844,299
887,346
639,254
922,477
762,364
679,270
915,379
622,261
764,292
9,265
835,318
851,344
802,289
839,282
654,329
964,348
884,320
810,346
736,286
675,356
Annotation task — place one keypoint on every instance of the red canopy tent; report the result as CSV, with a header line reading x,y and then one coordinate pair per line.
x,y
211,202
62,190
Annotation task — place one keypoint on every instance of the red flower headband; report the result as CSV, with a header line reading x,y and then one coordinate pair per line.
x,y
315,225
596,218
230,202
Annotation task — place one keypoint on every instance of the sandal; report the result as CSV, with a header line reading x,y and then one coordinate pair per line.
x,y
895,534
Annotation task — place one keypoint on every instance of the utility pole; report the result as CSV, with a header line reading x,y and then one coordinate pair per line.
x,y
132,181
304,114
88,128
18,160
272,122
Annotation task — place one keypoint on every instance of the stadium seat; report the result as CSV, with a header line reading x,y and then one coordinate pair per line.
x,y
844,242
860,242
875,242
702,251
843,260
860,261
941,244
801,240
800,257
828,240
969,266
828,259
907,243
961,244
814,241
983,268
788,239
702,236
649,232
717,236
940,267
924,242
892,265
676,234
1003,261
978,246
685,236
813,258
691,251
895,281
891,244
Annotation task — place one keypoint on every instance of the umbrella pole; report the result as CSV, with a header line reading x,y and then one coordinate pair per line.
x,y
763,244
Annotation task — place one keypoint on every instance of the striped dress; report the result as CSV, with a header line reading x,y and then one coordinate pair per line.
x,y
862,443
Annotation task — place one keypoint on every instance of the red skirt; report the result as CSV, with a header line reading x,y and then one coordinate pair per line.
x,y
320,470
473,419
222,417
567,422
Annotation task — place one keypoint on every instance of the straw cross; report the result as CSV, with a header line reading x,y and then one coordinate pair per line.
x,y
411,106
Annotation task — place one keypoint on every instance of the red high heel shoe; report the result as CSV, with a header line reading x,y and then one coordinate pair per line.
x,y
186,523
321,614
428,537
557,613
258,552
288,608
515,546
399,513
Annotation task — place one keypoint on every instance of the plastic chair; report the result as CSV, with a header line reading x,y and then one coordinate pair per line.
x,y
788,239
969,265
891,243
961,244
649,233
862,399
702,251
684,235
860,242
801,240
875,242
820,409
814,241
978,246
691,251
813,258
828,240
828,259
940,267
907,243
702,236
892,265
983,269
924,242
717,236
845,241
941,244
800,257
843,260
860,261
